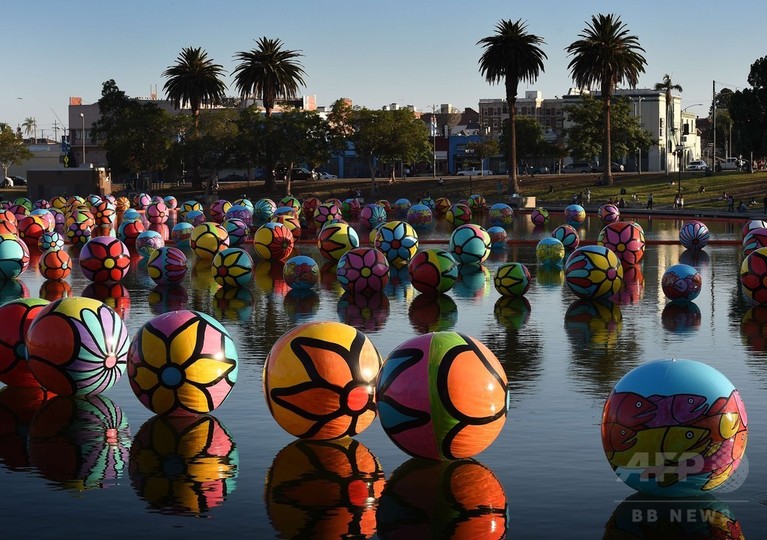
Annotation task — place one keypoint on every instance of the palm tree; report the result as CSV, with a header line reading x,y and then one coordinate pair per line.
x,y
30,126
511,55
667,86
196,80
268,72
606,55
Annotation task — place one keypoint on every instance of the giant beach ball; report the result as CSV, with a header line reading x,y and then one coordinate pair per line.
x,y
754,239
694,235
512,279
147,242
575,215
567,235
14,257
273,241
301,272
550,251
319,381
157,212
458,214
539,216
609,213
625,239
373,215
237,229
442,396
55,264
232,267
593,272
104,259
182,362
17,316
363,271
433,271
681,282
77,346
208,239
419,215
501,214
399,242
753,275
674,428
167,265
181,233
469,244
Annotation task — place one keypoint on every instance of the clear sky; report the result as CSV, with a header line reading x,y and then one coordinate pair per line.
x,y
408,52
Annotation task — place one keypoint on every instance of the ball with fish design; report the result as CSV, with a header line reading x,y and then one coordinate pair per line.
x,y
442,205
157,212
625,239
181,363
754,239
442,395
167,265
501,214
335,239
50,240
77,347
105,259
567,235
373,215
674,428
207,239
469,244
575,215
753,276
539,216
419,215
398,240
319,380
17,316
147,242
694,235
458,214
681,282
498,236
232,267
181,233
301,272
237,230
433,271
55,264
273,241
512,279
593,272
609,213
550,251
14,256
363,271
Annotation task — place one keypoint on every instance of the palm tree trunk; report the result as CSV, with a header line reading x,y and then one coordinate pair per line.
x,y
511,100
269,183
607,174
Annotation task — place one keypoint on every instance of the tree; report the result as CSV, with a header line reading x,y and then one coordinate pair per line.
x,y
12,149
748,110
511,55
268,72
585,136
301,137
530,142
195,80
667,86
606,55
483,148
30,127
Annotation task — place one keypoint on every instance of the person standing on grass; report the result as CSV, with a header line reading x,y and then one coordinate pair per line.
x,y
649,202
765,205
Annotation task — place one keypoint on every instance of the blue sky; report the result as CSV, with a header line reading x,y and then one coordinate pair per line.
x,y
376,53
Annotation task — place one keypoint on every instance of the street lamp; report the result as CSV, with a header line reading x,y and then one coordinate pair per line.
x,y
82,117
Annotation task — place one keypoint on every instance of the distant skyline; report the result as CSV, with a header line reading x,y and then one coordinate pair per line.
x,y
410,53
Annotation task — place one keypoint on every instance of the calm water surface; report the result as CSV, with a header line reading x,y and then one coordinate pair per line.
x,y
238,474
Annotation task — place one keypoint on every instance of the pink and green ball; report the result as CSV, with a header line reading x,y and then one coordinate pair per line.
x,y
567,235
539,216
458,214
593,272
442,396
469,244
373,215
363,271
167,265
433,271
512,279
301,272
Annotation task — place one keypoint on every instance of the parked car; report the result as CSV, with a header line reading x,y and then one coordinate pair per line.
x,y
475,172
541,170
697,165
326,176
730,164
577,167
18,180
232,178
7,182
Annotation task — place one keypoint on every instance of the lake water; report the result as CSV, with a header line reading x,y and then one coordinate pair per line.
x,y
237,474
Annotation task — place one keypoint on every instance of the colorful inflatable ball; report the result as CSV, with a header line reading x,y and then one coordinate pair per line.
x,y
167,265
147,242
301,273
442,205
625,239
207,239
104,259
575,215
753,275
752,224
77,347
681,282
458,214
17,316
373,215
181,233
419,215
50,240
498,236
363,271
512,279
674,428
273,241
609,213
469,244
128,231
232,267
550,251
182,362
442,395
398,241
539,216
567,235
335,239
754,239
433,271
593,272
55,264
157,212
694,235
31,228
326,212
319,381
501,214
218,210
14,257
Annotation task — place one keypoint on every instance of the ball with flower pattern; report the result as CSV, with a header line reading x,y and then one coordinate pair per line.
x,y
55,264
373,215
232,267
17,316
104,259
694,235
754,239
363,271
167,265
609,213
398,240
237,230
335,239
593,272
208,239
273,241
181,363
458,214
301,272
539,216
433,271
625,240
469,244
512,279
753,275
567,235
